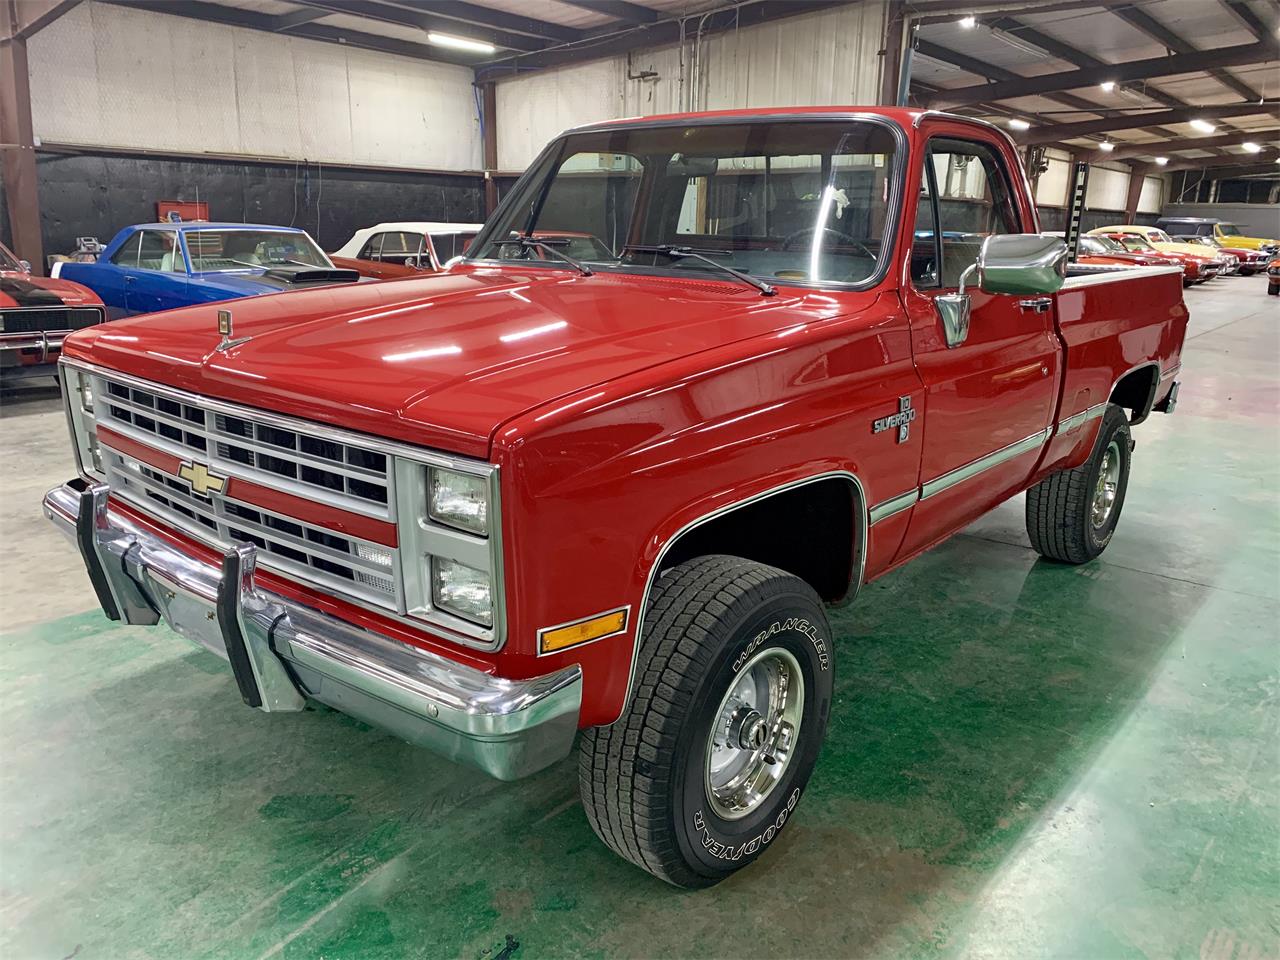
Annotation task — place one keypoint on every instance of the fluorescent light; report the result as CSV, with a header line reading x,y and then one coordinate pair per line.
x,y
1251,148
967,23
1016,124
1204,126
1107,86
1106,146
1161,161
459,43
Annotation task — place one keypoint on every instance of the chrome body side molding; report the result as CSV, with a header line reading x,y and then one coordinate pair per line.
x,y
974,467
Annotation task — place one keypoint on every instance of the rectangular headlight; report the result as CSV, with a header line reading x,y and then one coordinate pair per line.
x,y
462,590
84,389
459,500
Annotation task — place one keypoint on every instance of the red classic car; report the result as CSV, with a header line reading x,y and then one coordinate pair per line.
x,y
542,498
36,314
1195,269
405,249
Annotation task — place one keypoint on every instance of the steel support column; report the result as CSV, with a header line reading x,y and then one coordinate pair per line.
x,y
1137,176
489,108
17,143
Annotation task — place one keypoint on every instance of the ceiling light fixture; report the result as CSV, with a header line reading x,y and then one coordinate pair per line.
x,y
1204,126
967,23
1108,86
1161,161
1016,124
459,43
1251,148
1106,146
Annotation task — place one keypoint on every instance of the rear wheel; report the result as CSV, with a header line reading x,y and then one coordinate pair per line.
x,y
1072,514
732,691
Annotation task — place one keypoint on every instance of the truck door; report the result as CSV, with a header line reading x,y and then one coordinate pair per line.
x,y
990,398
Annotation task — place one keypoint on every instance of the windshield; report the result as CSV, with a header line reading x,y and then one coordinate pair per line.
x,y
8,261
212,250
1109,244
1136,243
1159,236
1229,229
782,201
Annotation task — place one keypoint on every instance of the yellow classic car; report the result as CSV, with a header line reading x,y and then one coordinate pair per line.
x,y
1158,239
1224,230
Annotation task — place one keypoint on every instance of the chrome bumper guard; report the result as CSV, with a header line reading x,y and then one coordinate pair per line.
x,y
283,653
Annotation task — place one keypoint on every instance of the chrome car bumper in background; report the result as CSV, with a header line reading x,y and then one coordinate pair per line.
x,y
283,653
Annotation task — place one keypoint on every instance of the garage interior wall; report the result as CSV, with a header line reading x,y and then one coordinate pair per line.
x,y
831,57
113,76
161,107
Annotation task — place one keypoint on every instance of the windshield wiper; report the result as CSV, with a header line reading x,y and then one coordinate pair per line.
x,y
680,253
528,243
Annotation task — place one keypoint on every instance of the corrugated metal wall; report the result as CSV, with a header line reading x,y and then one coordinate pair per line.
x,y
830,57
104,75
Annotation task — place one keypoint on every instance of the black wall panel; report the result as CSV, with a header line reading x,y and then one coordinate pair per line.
x,y
95,195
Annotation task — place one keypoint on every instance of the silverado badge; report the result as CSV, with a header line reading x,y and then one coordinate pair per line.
x,y
201,480
902,420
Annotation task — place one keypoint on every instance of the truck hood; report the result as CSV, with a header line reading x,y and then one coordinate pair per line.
x,y
440,361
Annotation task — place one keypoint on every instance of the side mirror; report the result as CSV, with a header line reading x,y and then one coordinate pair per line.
x,y
1020,264
25,265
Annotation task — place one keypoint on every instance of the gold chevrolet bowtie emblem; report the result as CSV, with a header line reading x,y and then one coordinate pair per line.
x,y
202,481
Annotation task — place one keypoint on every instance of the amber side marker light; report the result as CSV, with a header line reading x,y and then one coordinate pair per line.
x,y
554,639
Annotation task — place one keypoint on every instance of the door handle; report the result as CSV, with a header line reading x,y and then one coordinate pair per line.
x,y
130,279
1037,305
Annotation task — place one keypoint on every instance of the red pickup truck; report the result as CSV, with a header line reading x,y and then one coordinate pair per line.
x,y
537,499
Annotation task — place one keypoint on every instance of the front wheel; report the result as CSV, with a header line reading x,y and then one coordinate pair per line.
x,y
1072,514
1273,289
732,691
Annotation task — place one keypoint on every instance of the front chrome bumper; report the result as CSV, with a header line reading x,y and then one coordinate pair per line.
x,y
283,653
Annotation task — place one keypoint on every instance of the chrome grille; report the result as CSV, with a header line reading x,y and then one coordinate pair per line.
x,y
302,550
312,466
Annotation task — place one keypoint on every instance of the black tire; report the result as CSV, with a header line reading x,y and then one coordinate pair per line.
x,y
1273,289
643,779
1060,520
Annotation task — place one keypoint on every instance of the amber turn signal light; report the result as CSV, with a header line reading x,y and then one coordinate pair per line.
x,y
555,639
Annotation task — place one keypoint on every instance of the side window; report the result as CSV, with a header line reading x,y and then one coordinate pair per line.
x,y
973,201
396,247
127,255
160,251
370,250
924,238
450,245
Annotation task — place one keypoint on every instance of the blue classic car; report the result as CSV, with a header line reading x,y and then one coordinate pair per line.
x,y
157,266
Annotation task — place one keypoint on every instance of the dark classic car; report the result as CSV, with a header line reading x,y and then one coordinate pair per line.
x,y
36,313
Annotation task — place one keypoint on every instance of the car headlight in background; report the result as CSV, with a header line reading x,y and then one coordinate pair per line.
x,y
462,590
459,500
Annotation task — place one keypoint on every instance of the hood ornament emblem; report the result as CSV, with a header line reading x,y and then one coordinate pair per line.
x,y
224,328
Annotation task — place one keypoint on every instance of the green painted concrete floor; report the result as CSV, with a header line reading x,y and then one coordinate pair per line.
x,y
1025,760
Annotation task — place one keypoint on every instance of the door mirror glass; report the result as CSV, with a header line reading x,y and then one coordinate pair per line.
x,y
1022,264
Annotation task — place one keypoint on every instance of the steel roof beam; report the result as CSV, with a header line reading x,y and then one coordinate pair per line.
x,y
252,20
1150,69
381,13
1156,30
617,9
1131,121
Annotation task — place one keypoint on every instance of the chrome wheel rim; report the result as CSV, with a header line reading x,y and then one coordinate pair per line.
x,y
1104,494
755,733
